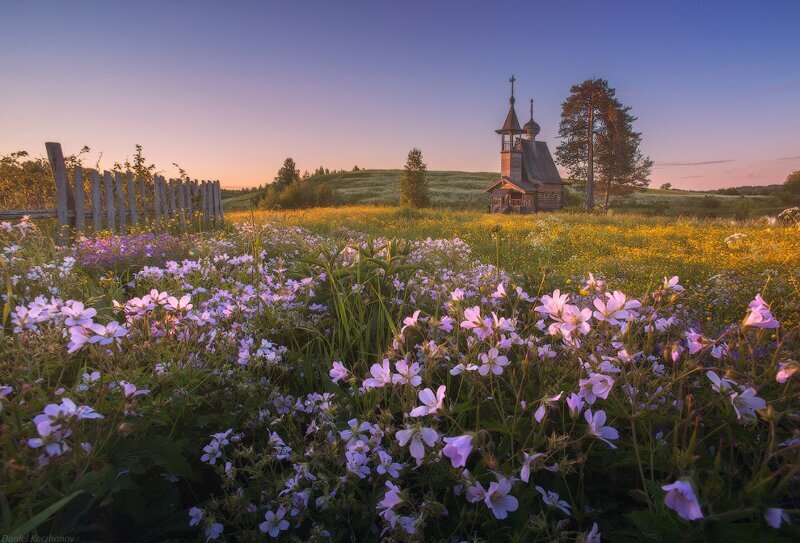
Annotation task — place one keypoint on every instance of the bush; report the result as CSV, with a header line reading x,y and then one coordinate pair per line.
x,y
572,197
792,183
298,195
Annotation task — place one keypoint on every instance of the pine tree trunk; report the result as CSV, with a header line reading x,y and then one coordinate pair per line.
x,y
589,203
608,189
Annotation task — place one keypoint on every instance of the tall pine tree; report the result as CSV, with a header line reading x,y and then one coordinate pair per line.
x,y
598,137
620,163
288,174
414,183
579,118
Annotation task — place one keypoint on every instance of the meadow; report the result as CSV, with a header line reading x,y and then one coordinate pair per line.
x,y
465,191
723,260
373,373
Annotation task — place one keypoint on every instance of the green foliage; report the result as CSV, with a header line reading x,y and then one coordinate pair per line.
x,y
287,175
300,194
620,163
413,182
598,137
142,170
361,331
27,183
572,197
291,191
791,188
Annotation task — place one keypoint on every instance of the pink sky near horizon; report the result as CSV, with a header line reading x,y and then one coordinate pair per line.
x,y
229,94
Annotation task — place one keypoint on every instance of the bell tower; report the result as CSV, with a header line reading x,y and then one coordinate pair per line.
x,y
510,148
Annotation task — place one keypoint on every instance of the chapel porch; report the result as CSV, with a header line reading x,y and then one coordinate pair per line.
x,y
512,202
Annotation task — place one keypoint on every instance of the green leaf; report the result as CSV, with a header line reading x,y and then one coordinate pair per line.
x,y
34,522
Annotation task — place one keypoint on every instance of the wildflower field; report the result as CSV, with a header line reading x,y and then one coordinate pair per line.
x,y
378,374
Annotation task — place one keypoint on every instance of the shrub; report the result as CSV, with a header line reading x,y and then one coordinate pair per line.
x,y
298,195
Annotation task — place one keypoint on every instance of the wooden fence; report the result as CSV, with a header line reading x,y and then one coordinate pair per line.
x,y
118,201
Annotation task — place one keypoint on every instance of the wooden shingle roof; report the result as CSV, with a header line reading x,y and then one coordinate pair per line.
x,y
511,126
523,186
538,164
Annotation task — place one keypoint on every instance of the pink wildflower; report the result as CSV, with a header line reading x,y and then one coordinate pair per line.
x,y
430,403
458,449
681,499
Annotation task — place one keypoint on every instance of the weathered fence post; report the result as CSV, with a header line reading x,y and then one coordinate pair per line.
x,y
209,202
213,188
219,200
120,201
97,220
109,186
181,202
203,203
56,158
143,199
212,202
173,198
165,211
189,194
132,200
80,203
157,200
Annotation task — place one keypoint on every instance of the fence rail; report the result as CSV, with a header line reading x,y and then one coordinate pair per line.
x,y
118,200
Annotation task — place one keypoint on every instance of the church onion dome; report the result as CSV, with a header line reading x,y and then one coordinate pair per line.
x,y
532,127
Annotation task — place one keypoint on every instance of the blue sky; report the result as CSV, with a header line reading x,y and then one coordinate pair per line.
x,y
228,90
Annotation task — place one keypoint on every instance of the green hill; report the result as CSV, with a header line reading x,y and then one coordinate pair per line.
x,y
452,189
464,190
241,202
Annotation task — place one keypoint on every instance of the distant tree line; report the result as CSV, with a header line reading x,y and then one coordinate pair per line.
x,y
788,192
319,172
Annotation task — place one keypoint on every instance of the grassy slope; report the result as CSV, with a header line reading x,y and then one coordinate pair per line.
x,y
676,202
464,190
455,189
241,202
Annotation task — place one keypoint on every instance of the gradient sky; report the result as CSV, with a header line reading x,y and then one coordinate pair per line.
x,y
229,89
